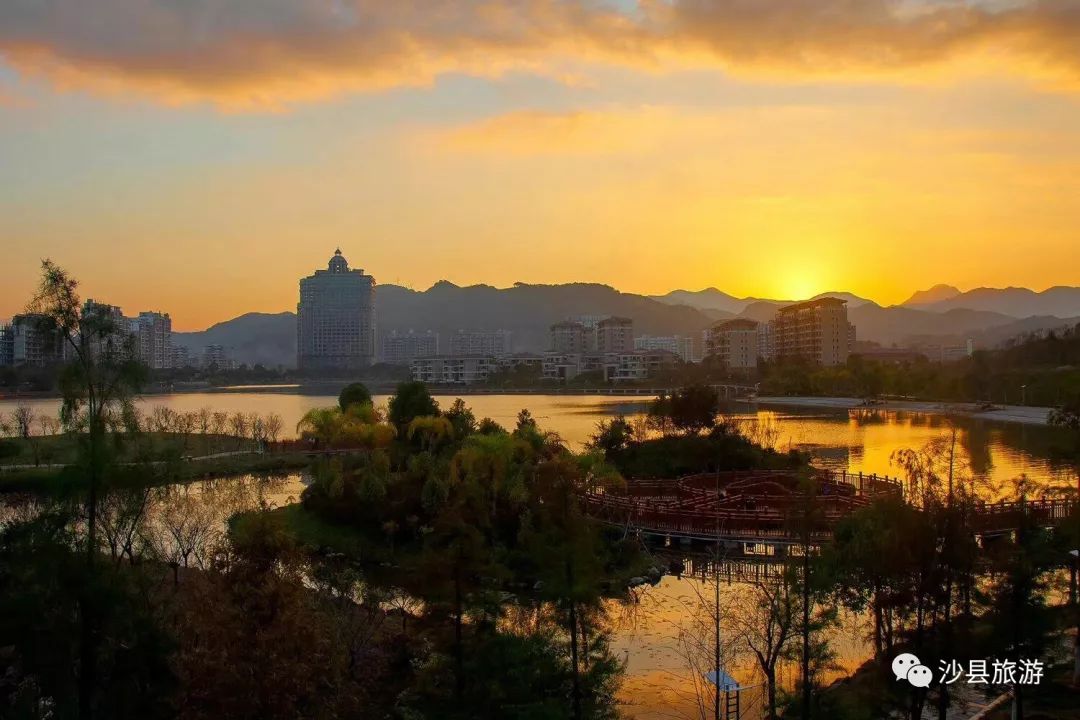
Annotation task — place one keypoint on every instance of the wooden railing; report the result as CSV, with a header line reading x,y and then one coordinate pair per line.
x,y
748,505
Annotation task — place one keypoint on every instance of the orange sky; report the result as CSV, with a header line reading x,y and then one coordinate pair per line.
x,y
200,159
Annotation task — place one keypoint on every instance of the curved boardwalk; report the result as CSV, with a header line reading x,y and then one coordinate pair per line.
x,y
764,506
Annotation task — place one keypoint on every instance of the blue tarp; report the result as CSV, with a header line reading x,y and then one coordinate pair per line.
x,y
726,683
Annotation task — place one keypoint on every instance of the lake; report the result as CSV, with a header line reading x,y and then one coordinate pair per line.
x,y
862,440
658,632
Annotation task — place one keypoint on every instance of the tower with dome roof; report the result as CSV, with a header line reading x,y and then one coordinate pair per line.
x,y
335,318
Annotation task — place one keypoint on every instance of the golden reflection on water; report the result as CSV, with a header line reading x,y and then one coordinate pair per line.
x,y
655,634
664,635
855,441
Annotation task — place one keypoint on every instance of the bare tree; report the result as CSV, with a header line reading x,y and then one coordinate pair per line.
x,y
218,422
203,420
22,418
123,520
238,424
49,427
161,419
766,620
255,428
273,425
184,424
187,526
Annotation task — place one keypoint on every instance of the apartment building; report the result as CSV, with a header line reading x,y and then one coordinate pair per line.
x,y
734,343
816,330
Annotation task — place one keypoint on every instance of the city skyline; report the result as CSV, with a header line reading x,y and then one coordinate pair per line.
x,y
775,149
6,313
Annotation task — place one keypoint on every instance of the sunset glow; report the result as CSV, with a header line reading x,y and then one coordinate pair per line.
x,y
779,148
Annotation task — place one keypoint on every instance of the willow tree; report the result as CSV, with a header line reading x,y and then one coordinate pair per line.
x,y
98,383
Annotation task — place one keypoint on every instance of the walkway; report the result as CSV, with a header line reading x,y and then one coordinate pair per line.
x,y
757,506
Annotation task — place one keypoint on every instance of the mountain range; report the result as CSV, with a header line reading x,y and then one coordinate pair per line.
x,y
942,314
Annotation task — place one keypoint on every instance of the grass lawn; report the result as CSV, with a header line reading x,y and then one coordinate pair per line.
x,y
54,480
62,449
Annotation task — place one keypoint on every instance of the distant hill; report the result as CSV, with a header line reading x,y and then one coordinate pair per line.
x,y
938,293
266,338
713,299
997,335
528,310
1061,301
707,299
852,300
900,325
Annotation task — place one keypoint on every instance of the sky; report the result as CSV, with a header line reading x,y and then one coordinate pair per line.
x,y
199,156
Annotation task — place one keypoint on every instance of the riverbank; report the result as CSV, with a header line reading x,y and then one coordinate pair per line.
x,y
53,479
1023,414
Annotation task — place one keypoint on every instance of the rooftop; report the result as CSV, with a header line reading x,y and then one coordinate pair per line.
x,y
810,304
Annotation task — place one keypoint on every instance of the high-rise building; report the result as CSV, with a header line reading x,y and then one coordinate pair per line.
x,y
34,341
335,318
7,344
568,337
109,343
401,348
681,345
494,343
734,343
181,357
216,357
153,339
766,346
615,334
815,330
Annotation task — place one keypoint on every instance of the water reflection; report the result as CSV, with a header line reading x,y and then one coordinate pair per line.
x,y
665,633
858,440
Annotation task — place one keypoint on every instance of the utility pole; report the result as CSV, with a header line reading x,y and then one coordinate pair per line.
x,y
716,602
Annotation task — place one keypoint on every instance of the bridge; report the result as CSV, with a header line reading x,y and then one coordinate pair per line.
x,y
763,507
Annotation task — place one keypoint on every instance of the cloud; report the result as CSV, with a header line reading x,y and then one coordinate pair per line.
x,y
821,38
528,132
263,53
270,53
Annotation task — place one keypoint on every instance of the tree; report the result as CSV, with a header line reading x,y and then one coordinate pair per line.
x,y
1018,609
430,431
694,408
487,426
611,436
323,425
562,541
354,394
218,422
1068,416
767,621
462,418
410,400
872,560
238,424
525,421
22,419
96,385
491,468
272,425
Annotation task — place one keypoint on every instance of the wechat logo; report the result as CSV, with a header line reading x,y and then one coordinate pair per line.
x,y
907,667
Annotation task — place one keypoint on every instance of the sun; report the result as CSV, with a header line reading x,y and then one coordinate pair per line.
x,y
798,283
